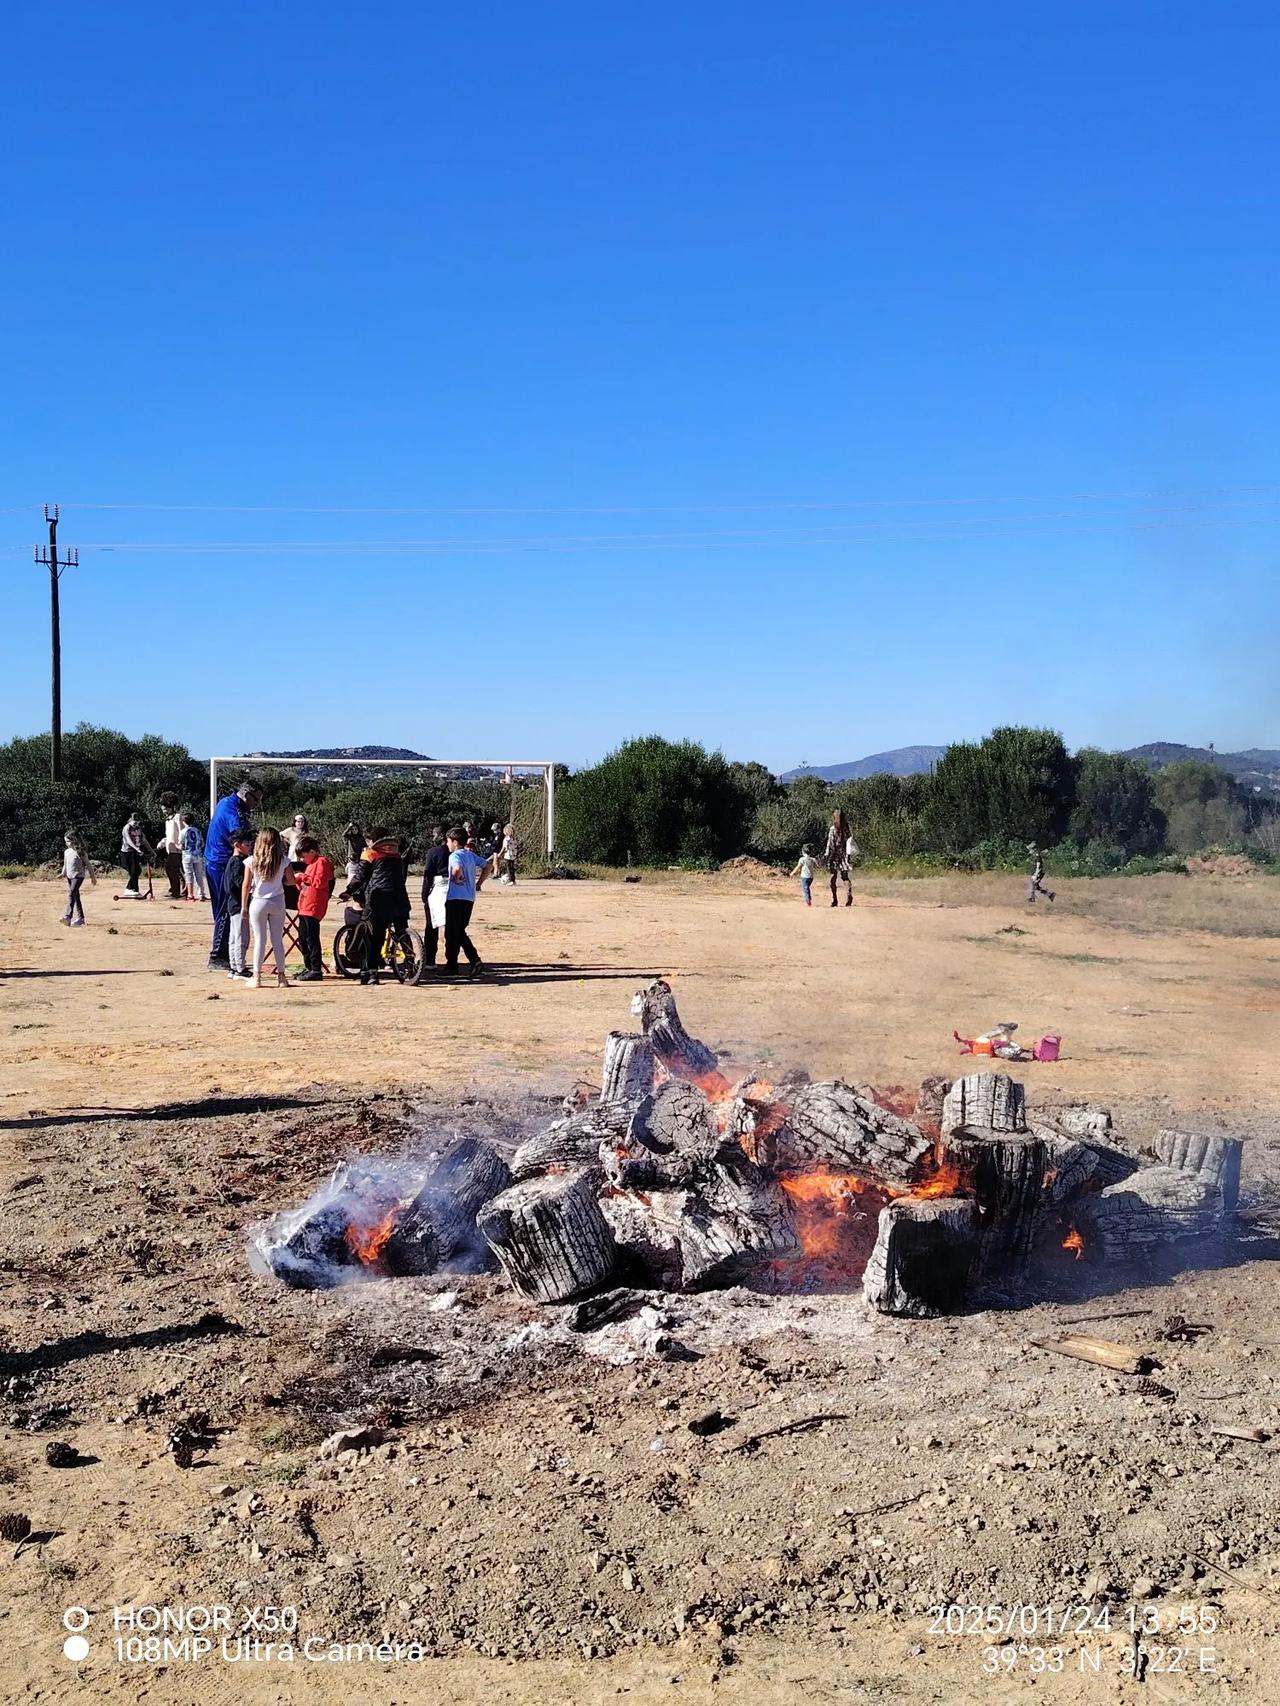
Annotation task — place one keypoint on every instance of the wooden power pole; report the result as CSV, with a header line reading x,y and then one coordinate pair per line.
x,y
70,560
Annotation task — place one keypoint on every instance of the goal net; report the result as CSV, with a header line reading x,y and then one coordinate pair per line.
x,y
435,790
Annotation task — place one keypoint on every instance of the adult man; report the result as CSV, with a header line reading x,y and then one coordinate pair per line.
x,y
171,846
231,817
467,872
435,883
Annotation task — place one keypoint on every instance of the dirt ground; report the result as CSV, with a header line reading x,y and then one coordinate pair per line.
x,y
542,1517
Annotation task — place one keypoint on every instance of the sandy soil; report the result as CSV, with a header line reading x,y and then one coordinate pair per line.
x,y
519,1521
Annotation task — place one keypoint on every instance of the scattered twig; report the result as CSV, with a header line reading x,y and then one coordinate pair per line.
x,y
1111,1315
1231,1575
893,1505
802,1425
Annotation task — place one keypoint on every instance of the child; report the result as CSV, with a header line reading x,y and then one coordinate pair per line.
x,y
75,868
804,868
1035,882
380,889
467,872
353,836
266,874
237,920
507,854
192,843
315,885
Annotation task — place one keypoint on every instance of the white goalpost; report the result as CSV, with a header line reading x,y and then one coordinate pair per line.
x,y
510,771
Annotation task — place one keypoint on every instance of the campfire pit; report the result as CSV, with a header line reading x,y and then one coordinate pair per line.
x,y
680,1175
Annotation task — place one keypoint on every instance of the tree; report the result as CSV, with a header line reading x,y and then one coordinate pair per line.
x,y
1115,804
1016,785
1204,806
652,800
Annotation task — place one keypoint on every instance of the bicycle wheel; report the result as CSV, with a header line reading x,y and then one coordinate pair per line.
x,y
405,956
341,943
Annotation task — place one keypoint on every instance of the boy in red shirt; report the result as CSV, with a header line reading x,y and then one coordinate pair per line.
x,y
315,885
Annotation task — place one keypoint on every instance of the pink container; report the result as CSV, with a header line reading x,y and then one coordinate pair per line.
x,y
1047,1047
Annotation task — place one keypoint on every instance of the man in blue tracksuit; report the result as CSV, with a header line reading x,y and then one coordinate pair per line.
x,y
230,818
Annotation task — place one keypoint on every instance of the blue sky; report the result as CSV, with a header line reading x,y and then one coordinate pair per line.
x,y
807,381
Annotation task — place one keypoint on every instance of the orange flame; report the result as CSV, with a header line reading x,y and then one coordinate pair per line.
x,y
1075,1243
822,1202
366,1241
948,1181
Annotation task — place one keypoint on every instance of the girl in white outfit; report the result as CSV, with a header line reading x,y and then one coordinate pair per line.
x,y
265,874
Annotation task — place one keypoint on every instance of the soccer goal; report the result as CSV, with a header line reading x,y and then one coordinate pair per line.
x,y
531,784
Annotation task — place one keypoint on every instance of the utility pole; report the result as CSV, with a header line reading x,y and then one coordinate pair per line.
x,y
70,560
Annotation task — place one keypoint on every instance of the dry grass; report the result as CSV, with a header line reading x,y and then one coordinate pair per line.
x,y
1147,906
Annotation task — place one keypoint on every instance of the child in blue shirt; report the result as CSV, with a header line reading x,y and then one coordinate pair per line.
x,y
467,871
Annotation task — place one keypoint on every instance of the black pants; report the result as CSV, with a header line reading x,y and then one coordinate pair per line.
x,y
457,915
74,904
173,870
309,942
132,863
509,867
380,922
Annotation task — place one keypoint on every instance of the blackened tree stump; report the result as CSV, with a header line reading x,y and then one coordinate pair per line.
x,y
990,1099
438,1228
1216,1159
682,1055
1005,1172
712,1235
628,1067
838,1128
923,1257
550,1236
1158,1205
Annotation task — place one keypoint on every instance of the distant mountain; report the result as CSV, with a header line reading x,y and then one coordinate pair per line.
x,y
902,761
373,753
1258,768
373,764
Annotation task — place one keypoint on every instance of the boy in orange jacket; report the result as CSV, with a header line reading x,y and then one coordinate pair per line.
x,y
315,885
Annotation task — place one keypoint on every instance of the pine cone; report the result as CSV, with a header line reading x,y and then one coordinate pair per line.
x,y
14,1527
180,1448
59,1455
1152,1388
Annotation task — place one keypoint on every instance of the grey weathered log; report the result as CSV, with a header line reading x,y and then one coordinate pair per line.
x,y
1157,1205
438,1228
711,1235
841,1128
930,1100
682,1055
1005,1171
628,1067
550,1236
672,1140
924,1256
1076,1163
1214,1158
1082,1119
572,1143
990,1099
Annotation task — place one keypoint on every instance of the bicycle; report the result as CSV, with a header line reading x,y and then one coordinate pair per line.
x,y
403,953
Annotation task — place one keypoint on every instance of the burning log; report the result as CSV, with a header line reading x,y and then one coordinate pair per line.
x,y
1079,1164
990,1099
1215,1159
1005,1170
550,1236
930,1100
841,1129
628,1067
1158,1204
735,1219
923,1257
673,1139
307,1248
572,1144
682,1055
438,1228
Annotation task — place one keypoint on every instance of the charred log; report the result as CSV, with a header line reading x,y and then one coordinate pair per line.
x,y
1005,1171
1215,1159
438,1228
682,1055
572,1143
550,1236
1158,1204
930,1099
842,1129
985,1099
923,1257
628,1067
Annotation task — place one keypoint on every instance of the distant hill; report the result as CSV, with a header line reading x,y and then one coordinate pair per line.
x,y
373,764
902,761
1257,768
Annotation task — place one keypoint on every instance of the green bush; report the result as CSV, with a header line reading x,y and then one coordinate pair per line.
x,y
651,801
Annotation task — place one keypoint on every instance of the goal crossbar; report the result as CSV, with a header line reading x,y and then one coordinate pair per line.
x,y
545,767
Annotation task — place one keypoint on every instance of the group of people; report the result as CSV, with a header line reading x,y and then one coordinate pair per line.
x,y
249,873
838,856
